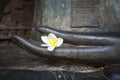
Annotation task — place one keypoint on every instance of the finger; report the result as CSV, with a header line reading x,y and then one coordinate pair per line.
x,y
83,38
89,54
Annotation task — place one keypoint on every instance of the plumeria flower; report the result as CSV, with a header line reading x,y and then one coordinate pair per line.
x,y
51,41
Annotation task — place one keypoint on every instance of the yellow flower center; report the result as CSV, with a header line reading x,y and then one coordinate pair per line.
x,y
53,42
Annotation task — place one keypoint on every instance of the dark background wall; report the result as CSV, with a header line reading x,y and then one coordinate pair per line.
x,y
16,18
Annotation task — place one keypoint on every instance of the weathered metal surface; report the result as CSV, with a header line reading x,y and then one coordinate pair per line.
x,y
13,57
100,41
53,13
88,48
99,48
19,64
95,39
85,13
58,14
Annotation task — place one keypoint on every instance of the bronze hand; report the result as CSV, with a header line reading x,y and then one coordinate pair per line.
x,y
99,48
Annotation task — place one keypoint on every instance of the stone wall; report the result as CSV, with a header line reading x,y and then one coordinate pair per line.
x,y
17,18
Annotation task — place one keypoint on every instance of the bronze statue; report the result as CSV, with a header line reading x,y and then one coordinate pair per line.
x,y
91,43
103,48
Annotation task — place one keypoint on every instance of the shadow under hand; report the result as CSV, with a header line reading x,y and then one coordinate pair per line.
x,y
112,72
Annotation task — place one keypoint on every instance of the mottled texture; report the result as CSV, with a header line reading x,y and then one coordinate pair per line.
x,y
59,14
16,17
2,4
48,75
88,48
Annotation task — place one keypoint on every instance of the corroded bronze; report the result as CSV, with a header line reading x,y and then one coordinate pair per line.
x,y
81,15
91,37
85,13
88,45
97,48
103,38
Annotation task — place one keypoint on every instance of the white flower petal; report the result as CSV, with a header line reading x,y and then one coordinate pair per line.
x,y
44,39
51,41
51,35
50,48
44,45
60,42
